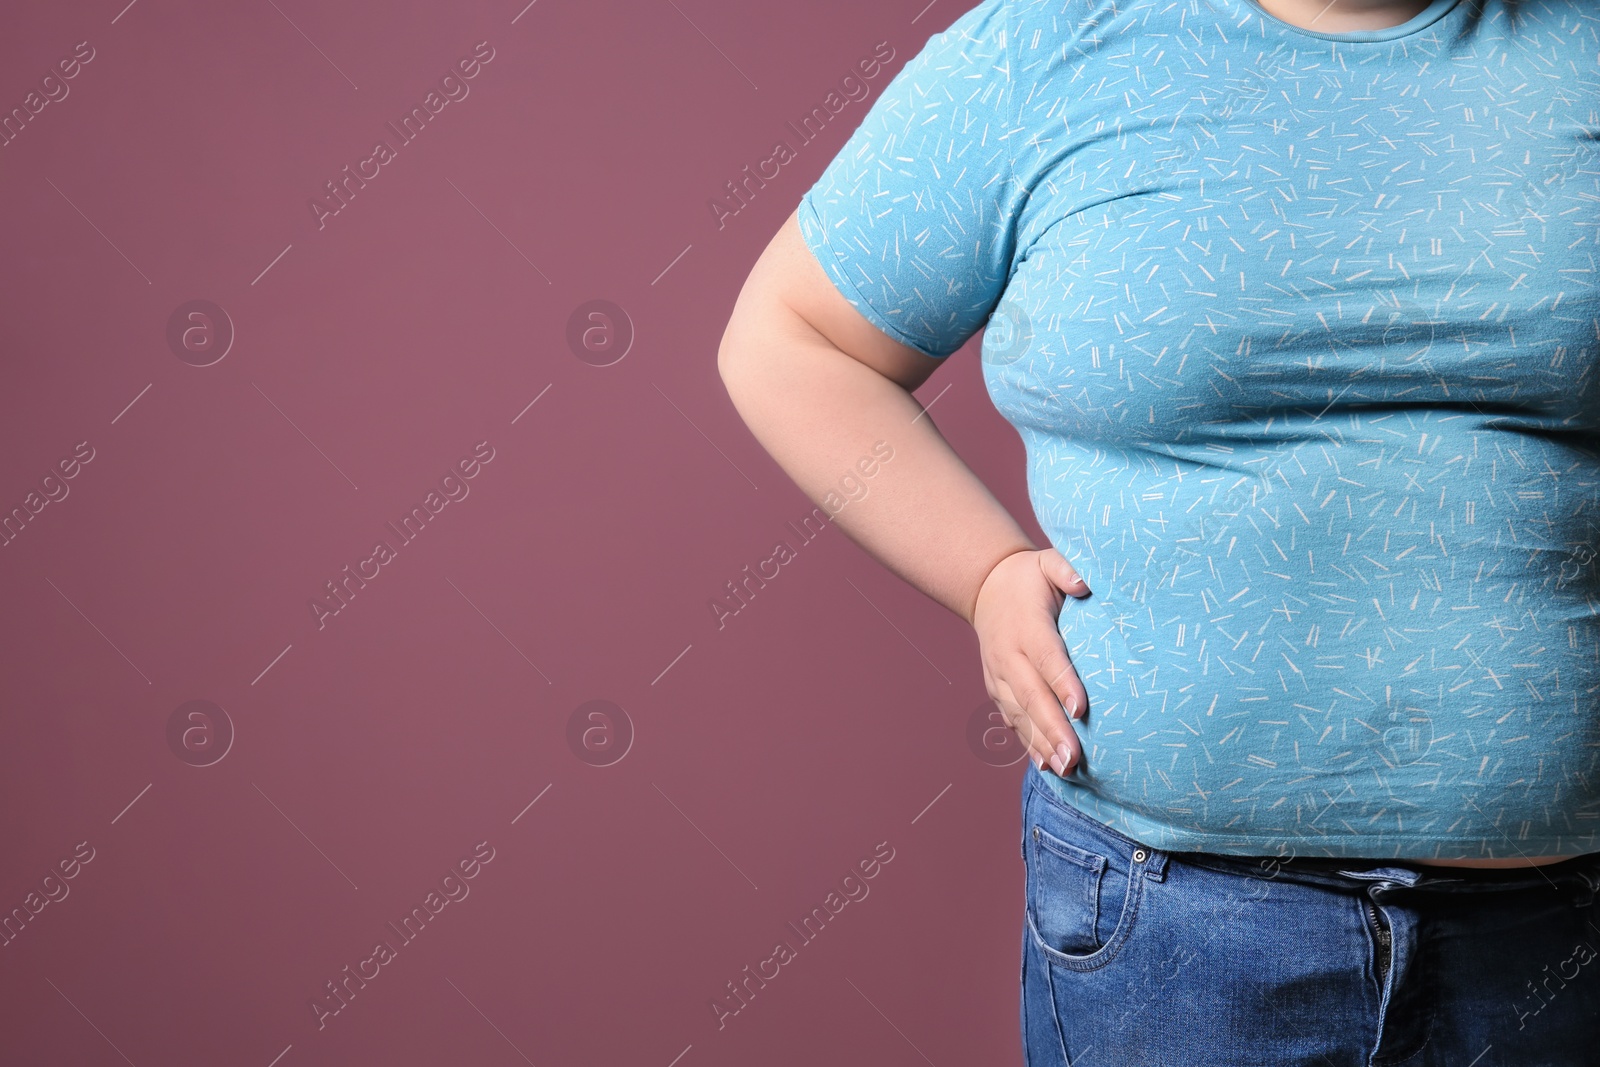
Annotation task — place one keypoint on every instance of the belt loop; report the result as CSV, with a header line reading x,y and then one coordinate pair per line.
x,y
1155,864
1388,877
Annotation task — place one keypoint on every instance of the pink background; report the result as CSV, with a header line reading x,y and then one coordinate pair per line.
x,y
371,754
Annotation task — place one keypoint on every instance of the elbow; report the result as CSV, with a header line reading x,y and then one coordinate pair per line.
x,y
725,356
726,366
732,353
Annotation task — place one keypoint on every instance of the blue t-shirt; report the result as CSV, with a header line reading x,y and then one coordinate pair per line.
x,y
1300,332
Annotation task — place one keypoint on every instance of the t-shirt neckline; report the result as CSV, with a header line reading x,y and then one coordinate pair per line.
x,y
1435,10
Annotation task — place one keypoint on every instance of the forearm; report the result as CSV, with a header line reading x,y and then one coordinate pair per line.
x,y
818,411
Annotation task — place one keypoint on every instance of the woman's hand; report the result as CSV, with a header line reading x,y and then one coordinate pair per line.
x,y
1025,664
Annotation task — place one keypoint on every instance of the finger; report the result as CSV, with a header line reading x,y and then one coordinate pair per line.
x,y
1052,732
1021,724
1060,742
1062,575
1050,658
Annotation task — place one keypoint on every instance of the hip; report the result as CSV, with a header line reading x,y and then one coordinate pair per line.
x,y
1135,954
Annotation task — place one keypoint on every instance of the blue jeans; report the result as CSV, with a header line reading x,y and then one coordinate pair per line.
x,y
1133,957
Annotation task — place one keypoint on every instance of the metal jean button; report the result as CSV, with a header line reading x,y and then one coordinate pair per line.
x,y
1140,855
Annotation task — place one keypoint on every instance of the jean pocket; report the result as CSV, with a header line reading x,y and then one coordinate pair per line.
x,y
1081,904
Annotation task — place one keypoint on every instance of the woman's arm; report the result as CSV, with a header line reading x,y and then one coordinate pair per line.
x,y
818,385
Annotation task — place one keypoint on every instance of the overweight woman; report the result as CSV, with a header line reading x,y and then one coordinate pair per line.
x,y
1295,305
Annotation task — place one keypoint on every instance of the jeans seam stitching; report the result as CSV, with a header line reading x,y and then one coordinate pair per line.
x,y
1095,960
1047,798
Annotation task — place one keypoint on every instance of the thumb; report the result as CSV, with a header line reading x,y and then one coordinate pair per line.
x,y
1062,574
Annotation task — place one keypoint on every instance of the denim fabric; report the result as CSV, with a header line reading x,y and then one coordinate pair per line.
x,y
1137,957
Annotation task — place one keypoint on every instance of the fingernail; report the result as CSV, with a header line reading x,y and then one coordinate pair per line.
x,y
1058,764
1072,707
1064,754
1038,761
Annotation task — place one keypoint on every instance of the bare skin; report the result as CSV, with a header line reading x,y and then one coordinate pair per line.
x,y
1343,16
818,384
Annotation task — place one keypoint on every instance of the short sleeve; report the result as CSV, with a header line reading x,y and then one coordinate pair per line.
x,y
915,219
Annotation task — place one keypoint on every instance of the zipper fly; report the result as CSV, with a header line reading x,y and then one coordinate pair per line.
x,y
1381,931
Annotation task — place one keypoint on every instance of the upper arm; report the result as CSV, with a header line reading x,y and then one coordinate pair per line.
x,y
787,279
901,250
